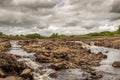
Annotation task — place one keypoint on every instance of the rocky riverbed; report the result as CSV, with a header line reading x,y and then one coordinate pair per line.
x,y
10,68
58,59
62,54
65,56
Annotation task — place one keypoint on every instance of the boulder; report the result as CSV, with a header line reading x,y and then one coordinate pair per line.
x,y
2,74
116,64
25,72
53,75
63,65
72,78
12,78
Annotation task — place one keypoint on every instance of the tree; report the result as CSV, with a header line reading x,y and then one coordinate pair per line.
x,y
35,35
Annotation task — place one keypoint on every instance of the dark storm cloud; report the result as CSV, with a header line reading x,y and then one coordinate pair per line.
x,y
115,10
116,6
5,2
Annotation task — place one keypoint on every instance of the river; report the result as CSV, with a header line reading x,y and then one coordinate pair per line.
x,y
41,70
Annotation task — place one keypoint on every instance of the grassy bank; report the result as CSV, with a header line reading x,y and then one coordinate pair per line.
x,y
56,35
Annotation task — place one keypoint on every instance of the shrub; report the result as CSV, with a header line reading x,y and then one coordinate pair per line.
x,y
35,35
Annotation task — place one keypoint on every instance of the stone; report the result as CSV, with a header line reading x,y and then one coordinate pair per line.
x,y
25,72
63,65
116,64
72,78
12,78
2,74
104,56
53,75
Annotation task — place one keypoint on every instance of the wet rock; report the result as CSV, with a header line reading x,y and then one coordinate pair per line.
x,y
2,74
53,75
95,75
12,78
62,54
4,45
104,56
106,51
72,78
9,65
84,66
13,57
43,58
116,64
25,72
63,65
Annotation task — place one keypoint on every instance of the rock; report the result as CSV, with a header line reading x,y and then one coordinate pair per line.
x,y
43,58
2,74
13,57
10,66
63,65
106,51
25,72
116,64
72,78
104,56
53,75
62,54
93,73
84,66
12,78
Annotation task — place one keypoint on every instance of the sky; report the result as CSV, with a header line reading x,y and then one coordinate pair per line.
x,y
58,16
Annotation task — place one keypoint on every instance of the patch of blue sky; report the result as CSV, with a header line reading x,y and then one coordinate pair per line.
x,y
61,4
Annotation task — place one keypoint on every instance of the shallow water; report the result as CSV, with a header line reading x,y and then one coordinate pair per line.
x,y
109,72
17,50
29,59
106,69
73,74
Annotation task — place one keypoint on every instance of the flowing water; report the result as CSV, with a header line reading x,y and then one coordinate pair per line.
x,y
29,59
106,68
41,71
109,72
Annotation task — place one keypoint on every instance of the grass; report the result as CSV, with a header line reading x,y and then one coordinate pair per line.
x,y
56,35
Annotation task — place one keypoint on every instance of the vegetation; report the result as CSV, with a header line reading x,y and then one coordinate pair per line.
x,y
35,35
105,33
56,35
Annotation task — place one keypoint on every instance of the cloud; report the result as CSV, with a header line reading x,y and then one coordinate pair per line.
x,y
65,16
36,3
116,6
17,18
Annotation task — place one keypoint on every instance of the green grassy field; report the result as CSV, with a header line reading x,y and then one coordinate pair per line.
x,y
56,35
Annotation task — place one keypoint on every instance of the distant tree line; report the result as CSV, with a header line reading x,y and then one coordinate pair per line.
x,y
56,35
